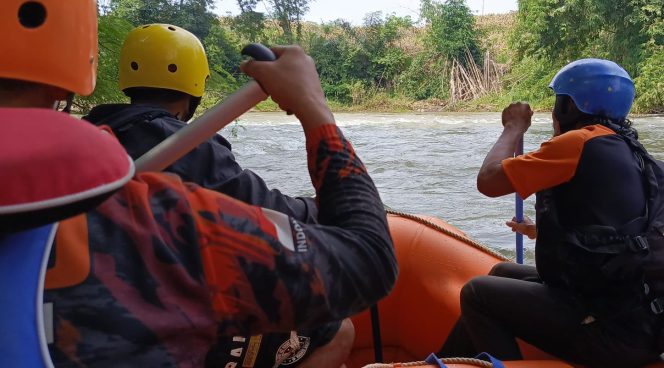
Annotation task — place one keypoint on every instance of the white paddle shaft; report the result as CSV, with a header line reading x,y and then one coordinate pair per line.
x,y
201,129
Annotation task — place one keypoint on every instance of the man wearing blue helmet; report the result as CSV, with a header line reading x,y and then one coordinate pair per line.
x,y
586,300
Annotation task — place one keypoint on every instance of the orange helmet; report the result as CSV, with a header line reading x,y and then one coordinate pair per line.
x,y
50,42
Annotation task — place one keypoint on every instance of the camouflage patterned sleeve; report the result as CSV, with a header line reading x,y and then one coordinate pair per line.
x,y
269,272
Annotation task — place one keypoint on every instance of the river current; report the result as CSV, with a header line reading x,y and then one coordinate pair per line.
x,y
421,163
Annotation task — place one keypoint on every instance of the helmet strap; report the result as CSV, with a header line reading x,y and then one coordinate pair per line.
x,y
193,105
69,101
568,115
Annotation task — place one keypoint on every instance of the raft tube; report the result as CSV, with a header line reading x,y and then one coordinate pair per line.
x,y
435,261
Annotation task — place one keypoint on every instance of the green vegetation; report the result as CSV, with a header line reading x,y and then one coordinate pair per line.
x,y
112,31
550,33
446,60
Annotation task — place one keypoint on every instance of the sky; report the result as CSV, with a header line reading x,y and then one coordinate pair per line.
x,y
355,10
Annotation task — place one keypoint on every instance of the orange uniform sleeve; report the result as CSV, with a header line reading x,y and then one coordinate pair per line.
x,y
266,271
554,163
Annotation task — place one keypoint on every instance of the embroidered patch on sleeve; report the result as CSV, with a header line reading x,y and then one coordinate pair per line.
x,y
291,351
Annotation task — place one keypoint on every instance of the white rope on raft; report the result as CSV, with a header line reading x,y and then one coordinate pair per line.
x,y
445,231
468,361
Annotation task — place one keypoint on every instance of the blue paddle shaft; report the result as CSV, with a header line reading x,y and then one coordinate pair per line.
x,y
518,209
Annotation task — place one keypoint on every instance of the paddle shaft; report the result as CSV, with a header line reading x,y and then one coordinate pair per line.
x,y
201,129
375,330
518,209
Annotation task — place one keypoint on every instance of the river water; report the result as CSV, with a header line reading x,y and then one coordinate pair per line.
x,y
421,163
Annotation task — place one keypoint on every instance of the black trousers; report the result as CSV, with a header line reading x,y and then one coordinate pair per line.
x,y
512,302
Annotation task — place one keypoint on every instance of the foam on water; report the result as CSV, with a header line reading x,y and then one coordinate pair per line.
x,y
421,163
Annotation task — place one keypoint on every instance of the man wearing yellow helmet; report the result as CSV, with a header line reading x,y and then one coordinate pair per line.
x,y
158,271
163,69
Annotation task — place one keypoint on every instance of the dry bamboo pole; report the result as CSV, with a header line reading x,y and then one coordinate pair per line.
x,y
453,83
469,82
476,74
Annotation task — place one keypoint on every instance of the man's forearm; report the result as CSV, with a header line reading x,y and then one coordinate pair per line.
x,y
363,267
491,179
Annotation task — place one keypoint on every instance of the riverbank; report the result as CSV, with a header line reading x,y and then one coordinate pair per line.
x,y
404,105
382,104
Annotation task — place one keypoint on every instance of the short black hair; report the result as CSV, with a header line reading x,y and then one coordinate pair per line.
x,y
149,94
162,95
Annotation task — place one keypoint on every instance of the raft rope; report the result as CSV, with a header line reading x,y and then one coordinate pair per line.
x,y
469,361
447,232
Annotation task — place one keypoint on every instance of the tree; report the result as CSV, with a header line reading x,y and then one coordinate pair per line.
x,y
451,29
192,15
377,42
249,23
112,32
223,51
289,14
551,33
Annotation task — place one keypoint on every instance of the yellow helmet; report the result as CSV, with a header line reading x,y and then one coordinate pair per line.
x,y
163,56
50,42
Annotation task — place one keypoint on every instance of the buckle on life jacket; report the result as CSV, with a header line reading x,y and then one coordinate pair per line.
x,y
657,306
638,243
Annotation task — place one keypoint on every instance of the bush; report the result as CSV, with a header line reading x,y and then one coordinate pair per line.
x,y
426,77
650,84
529,81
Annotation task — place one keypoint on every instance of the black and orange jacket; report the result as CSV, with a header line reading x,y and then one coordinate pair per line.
x,y
592,171
212,165
156,273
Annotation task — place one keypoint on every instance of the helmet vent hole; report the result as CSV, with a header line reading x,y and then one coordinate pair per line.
x,y
171,28
32,14
144,27
134,65
172,68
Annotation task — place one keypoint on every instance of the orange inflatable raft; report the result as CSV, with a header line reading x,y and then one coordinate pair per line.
x,y
435,261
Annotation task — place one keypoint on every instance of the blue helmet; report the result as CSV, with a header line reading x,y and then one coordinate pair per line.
x,y
597,87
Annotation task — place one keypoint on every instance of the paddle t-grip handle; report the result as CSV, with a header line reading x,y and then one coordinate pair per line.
x,y
258,52
213,120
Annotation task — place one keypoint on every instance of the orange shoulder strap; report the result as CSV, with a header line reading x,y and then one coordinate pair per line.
x,y
72,254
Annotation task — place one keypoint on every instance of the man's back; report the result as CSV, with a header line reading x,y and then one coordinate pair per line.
x,y
140,297
607,187
211,165
592,173
171,265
